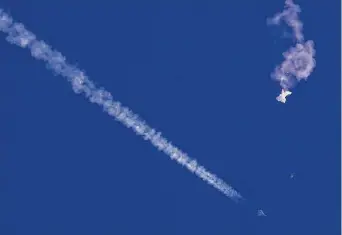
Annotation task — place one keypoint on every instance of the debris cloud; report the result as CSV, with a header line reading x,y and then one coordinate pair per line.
x,y
299,60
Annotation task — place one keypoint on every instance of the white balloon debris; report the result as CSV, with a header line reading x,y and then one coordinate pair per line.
x,y
299,60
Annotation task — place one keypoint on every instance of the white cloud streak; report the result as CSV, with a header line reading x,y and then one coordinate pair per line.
x,y
18,35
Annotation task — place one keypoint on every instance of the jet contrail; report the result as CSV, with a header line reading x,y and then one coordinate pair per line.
x,y
299,60
55,61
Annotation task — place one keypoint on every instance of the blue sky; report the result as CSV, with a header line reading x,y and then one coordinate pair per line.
x,y
199,71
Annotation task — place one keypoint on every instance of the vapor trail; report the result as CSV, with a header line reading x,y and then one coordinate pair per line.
x,y
55,61
299,60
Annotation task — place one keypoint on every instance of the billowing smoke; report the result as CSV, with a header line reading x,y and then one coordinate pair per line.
x,y
55,61
299,60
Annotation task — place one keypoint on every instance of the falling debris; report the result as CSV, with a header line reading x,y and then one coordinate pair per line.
x,y
299,60
282,96
261,213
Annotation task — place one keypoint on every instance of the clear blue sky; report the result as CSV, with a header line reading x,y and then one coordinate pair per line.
x,y
199,71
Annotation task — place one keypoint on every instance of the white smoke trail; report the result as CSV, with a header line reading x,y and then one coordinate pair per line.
x,y
299,60
18,35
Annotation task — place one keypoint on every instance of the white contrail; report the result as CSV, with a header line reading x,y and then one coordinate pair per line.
x,y
18,35
299,60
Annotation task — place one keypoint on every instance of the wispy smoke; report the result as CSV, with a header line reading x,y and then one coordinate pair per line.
x,y
299,60
55,61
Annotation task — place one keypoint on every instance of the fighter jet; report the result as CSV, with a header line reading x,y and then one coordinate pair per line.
x,y
282,96
261,213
